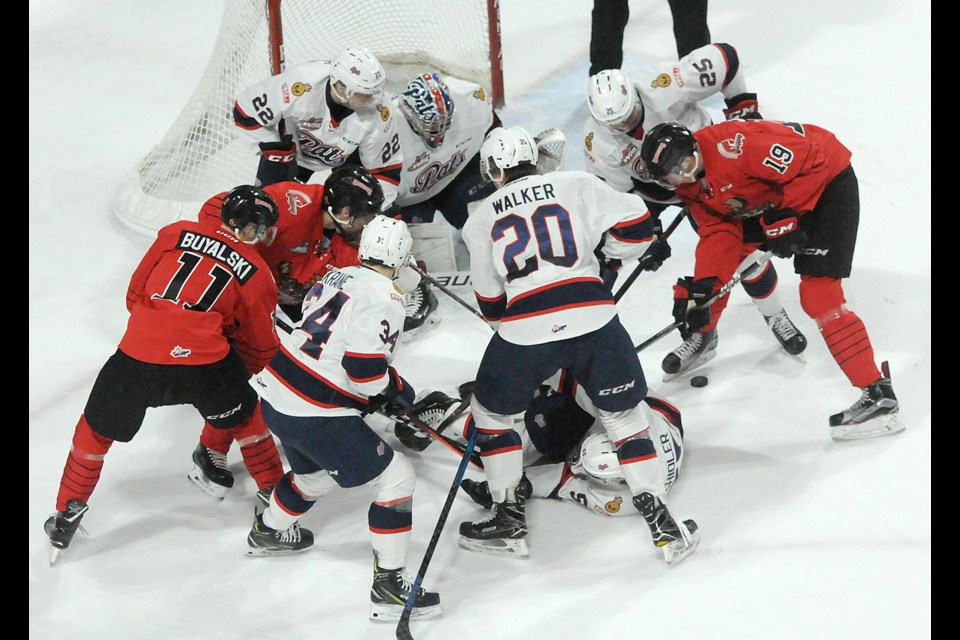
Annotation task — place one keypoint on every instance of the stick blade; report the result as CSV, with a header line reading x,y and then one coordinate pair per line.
x,y
403,627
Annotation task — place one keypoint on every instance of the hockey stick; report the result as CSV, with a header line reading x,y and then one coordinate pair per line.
x,y
724,290
403,627
638,270
450,443
458,299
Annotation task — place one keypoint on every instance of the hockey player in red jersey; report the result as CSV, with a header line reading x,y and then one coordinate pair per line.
x,y
791,187
318,230
201,306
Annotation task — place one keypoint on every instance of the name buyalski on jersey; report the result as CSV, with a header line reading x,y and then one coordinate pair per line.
x,y
216,249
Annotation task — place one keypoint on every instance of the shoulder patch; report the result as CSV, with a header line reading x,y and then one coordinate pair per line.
x,y
384,112
300,88
588,141
480,94
662,81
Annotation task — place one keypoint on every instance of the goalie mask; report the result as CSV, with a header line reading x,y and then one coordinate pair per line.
x,y
245,205
613,100
358,77
506,148
386,241
352,196
597,457
428,107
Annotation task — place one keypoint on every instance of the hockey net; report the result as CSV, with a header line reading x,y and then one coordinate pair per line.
x,y
204,153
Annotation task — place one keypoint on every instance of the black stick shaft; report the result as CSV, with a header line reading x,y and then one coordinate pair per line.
x,y
426,276
639,269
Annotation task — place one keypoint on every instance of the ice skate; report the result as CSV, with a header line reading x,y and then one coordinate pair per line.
x,y
210,472
421,305
263,499
389,593
695,351
675,541
876,413
62,525
264,541
787,334
432,409
504,532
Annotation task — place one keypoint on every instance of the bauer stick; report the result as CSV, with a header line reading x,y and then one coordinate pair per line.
x,y
403,627
638,270
724,290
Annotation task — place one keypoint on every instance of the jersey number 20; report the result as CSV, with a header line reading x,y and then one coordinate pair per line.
x,y
548,226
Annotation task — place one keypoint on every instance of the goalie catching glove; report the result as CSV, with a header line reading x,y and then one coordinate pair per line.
x,y
688,294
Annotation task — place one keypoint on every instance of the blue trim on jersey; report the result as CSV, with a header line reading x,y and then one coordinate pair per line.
x,y
639,230
578,292
492,309
733,61
364,368
308,386
243,120
762,286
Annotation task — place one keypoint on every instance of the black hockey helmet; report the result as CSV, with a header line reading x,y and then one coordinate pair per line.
x,y
247,204
354,187
664,147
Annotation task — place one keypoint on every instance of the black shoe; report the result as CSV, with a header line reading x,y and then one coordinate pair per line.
x,y
876,413
696,350
421,306
389,593
264,541
787,334
675,541
61,526
210,472
504,532
479,492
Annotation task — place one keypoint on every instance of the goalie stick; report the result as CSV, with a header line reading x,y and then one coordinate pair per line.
x,y
724,290
403,627
636,272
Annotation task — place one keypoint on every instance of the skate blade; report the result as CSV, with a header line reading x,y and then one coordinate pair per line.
x,y
215,491
257,552
677,550
54,555
516,547
884,425
392,612
710,355
413,334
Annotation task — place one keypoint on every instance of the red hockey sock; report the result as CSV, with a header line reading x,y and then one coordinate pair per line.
x,y
259,452
216,439
84,463
849,344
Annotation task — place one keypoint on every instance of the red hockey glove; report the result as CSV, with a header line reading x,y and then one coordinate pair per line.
x,y
782,233
743,106
687,295
278,161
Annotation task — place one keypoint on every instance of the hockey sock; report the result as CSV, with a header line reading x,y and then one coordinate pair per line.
x,y
390,524
84,463
639,465
216,439
259,451
763,291
287,504
502,455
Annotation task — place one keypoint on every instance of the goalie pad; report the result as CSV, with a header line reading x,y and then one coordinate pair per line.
x,y
551,149
433,244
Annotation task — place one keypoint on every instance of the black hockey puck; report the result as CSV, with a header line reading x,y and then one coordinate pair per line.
x,y
698,381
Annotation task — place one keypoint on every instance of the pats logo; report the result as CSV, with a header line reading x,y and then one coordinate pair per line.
x,y
731,148
300,88
662,81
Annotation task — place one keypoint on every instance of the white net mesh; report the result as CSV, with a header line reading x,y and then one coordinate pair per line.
x,y
203,153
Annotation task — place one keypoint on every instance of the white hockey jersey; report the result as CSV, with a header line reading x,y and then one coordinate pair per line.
x,y
299,95
338,355
670,92
532,260
426,172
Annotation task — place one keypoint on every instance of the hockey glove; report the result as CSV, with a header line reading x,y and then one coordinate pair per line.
x,y
278,161
396,399
743,106
688,294
609,269
657,252
782,233
291,291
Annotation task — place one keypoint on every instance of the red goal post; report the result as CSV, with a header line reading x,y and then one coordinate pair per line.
x,y
204,153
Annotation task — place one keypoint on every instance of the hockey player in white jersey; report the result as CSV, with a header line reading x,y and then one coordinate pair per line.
x,y
444,124
334,367
338,111
536,277
621,111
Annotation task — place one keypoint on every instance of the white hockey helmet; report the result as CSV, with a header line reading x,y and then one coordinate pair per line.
x,y
598,458
613,99
385,241
505,148
361,75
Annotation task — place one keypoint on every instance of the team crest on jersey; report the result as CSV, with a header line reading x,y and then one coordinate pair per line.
x,y
296,200
419,161
613,506
300,88
731,147
662,81
384,112
588,141
310,123
179,352
480,94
